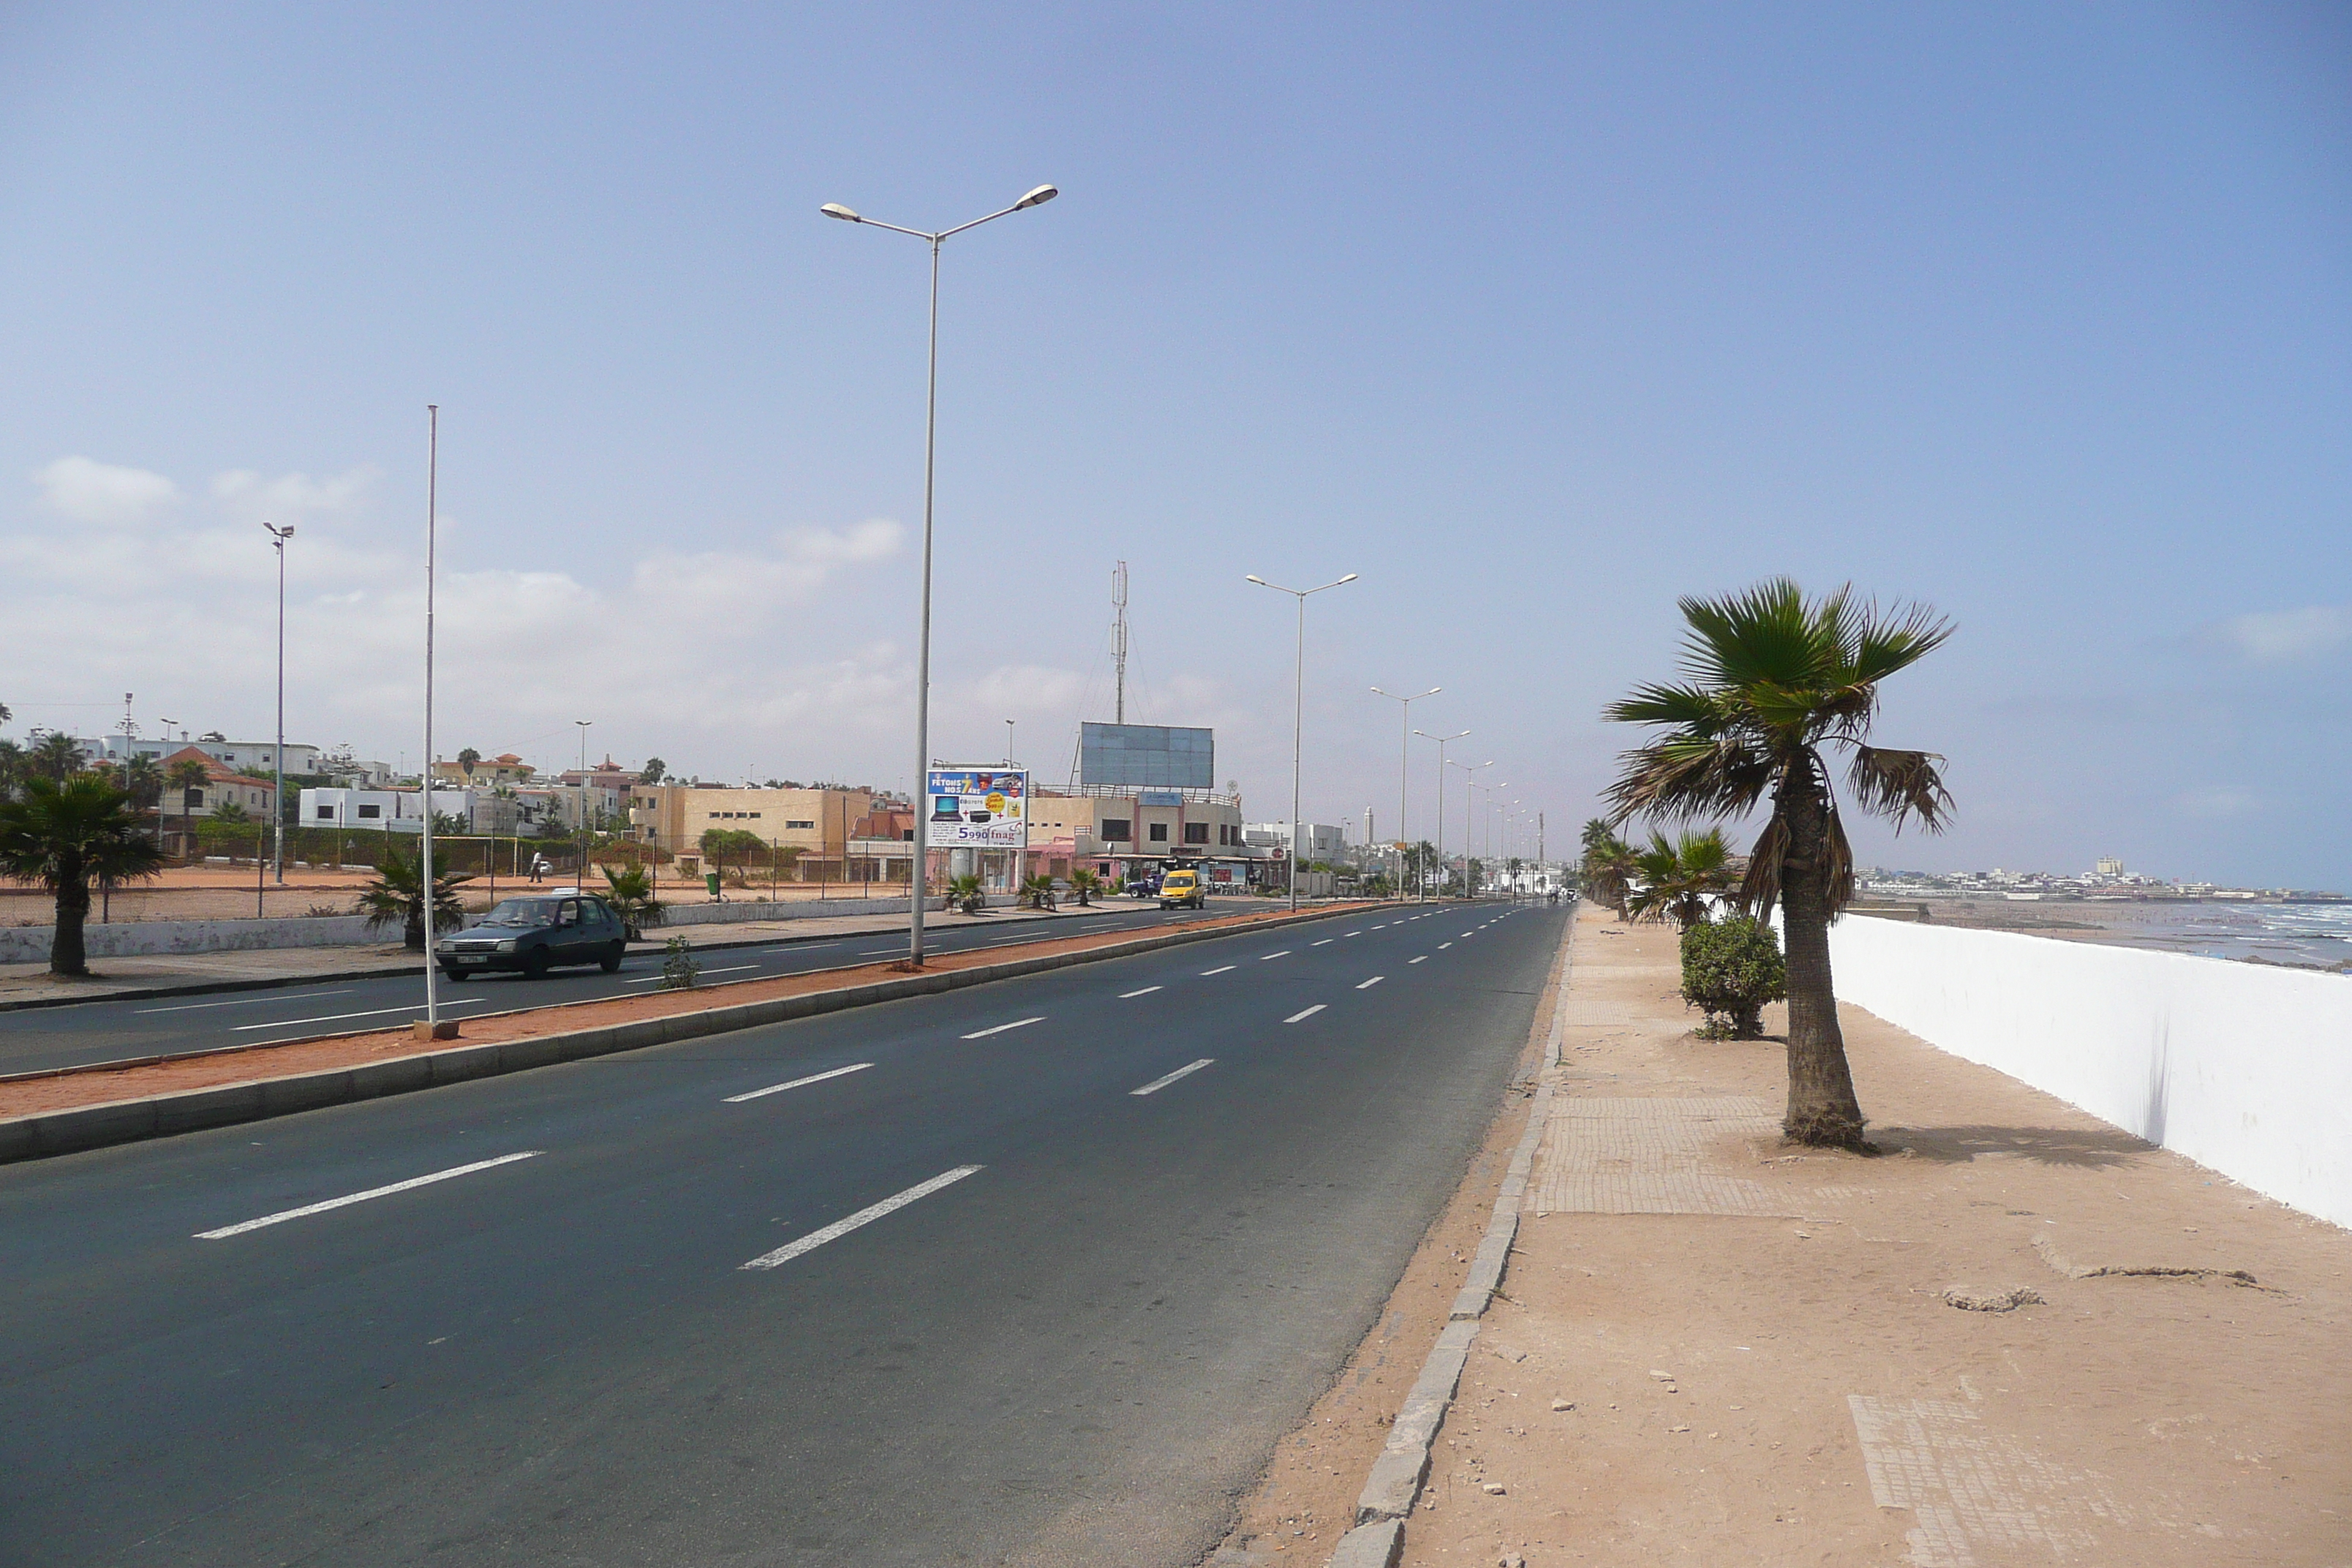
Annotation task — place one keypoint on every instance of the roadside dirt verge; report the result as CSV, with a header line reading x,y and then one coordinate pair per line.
x,y
2020,1336
77,1089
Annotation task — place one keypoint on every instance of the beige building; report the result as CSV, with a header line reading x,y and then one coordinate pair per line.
x,y
489,772
1138,824
816,821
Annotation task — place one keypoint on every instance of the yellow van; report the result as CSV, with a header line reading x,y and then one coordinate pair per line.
x,y
1183,888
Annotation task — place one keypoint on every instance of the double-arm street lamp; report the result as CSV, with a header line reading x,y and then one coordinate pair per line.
x,y
1469,829
1037,197
1441,742
1298,709
1404,747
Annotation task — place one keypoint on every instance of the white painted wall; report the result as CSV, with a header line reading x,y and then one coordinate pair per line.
x,y
125,939
2244,1069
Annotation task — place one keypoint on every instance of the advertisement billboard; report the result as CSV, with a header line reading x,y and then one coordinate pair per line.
x,y
976,808
1147,756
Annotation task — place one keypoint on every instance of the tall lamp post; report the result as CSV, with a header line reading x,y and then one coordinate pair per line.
x,y
583,873
434,1029
278,538
1404,748
1298,710
1037,197
1442,742
1469,827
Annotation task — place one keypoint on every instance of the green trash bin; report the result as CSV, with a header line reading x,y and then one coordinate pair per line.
x,y
710,883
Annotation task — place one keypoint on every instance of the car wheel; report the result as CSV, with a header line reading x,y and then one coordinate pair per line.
x,y
611,961
451,974
535,966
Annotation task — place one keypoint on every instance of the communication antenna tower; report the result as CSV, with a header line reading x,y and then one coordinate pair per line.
x,y
1118,633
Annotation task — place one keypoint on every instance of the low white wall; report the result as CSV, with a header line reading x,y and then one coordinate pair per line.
x,y
804,909
30,944
2244,1069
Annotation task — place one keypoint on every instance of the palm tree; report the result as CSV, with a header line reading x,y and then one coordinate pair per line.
x,y
1770,681
630,892
65,836
55,757
1680,878
965,893
1084,885
187,775
1039,891
467,761
1609,868
396,894
13,767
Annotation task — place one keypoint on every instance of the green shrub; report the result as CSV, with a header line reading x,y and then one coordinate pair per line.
x,y
1730,969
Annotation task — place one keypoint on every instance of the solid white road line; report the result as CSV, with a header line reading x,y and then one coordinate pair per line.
x,y
1416,960
1017,1022
1263,956
1156,1084
247,1001
863,1216
1146,991
371,1012
796,1083
280,1218
1219,970
1375,980
1309,1014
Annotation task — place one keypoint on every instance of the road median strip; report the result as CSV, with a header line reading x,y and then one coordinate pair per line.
x,y
75,1109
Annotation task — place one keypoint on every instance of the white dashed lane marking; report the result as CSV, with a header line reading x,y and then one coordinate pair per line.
x,y
863,1216
284,1214
1156,1084
1128,996
1375,980
1219,970
796,1083
984,1034
1310,1012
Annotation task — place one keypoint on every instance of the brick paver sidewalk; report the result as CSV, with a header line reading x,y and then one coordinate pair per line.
x,y
2016,1338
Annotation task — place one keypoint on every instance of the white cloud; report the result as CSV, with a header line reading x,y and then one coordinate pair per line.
x,y
2217,803
291,498
103,494
2277,637
738,582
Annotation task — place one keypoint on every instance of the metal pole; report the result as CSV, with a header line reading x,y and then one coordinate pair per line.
x,y
923,868
278,791
425,856
1298,733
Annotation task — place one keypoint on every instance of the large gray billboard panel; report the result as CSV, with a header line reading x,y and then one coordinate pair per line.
x,y
1147,756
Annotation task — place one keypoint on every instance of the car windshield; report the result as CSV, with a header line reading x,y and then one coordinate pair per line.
x,y
522,912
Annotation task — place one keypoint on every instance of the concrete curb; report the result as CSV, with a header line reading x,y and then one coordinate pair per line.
x,y
1394,1484
223,1105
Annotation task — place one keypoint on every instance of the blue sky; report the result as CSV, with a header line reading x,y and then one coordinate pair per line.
x,y
1536,318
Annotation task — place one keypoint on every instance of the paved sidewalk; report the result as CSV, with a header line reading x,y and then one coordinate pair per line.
x,y
2015,1338
155,975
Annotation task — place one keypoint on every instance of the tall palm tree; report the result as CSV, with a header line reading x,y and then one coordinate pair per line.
x,y
13,767
1771,681
187,775
65,836
396,894
1609,870
1681,878
55,757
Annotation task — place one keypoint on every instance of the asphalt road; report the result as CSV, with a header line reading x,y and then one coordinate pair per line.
x,y
36,1039
988,1277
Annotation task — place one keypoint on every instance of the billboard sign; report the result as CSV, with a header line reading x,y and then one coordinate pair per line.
x,y
1147,756
976,808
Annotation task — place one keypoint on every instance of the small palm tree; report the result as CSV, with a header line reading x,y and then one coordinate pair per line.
x,y
1680,880
64,837
187,775
630,892
396,895
965,893
1771,681
1083,884
1038,891
13,768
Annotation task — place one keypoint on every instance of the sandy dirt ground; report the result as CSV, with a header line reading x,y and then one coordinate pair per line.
x,y
1714,1349
63,1091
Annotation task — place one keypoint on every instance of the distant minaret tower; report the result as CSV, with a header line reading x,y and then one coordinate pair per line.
x,y
1118,633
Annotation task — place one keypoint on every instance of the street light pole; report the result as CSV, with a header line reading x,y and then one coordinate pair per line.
x,y
1298,711
921,870
1441,740
1404,750
583,873
425,853
278,538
